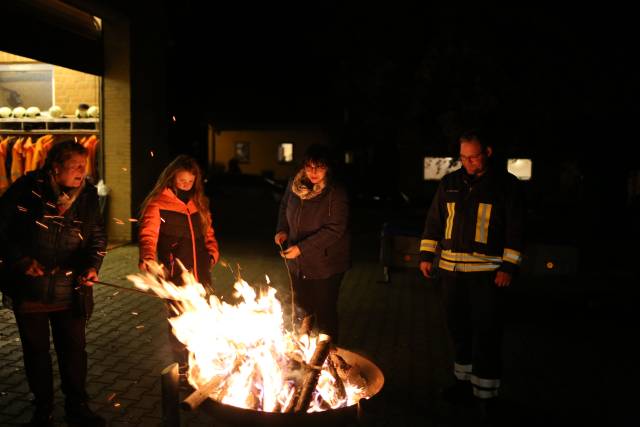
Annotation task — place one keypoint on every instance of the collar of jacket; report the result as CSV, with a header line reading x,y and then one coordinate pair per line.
x,y
304,192
169,200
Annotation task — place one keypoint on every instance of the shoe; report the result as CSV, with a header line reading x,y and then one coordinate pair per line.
x,y
461,393
40,418
488,410
81,415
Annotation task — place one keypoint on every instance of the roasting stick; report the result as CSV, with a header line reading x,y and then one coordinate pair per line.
x,y
130,290
293,309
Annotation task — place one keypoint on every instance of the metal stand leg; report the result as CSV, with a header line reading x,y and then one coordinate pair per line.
x,y
170,396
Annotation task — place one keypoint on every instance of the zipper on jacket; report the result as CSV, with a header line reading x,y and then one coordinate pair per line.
x,y
51,288
298,229
193,245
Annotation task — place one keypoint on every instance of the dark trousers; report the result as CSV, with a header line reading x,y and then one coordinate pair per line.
x,y
69,342
319,298
473,304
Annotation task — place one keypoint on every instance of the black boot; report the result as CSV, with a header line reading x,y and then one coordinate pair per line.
x,y
79,414
461,393
42,417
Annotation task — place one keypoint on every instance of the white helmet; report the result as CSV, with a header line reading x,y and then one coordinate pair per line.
x,y
55,111
18,112
93,112
5,112
32,112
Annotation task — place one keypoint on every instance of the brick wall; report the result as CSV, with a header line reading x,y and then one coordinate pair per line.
x,y
70,87
73,88
117,130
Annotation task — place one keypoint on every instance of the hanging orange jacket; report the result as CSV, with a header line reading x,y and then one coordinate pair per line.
x,y
17,160
171,230
90,143
4,180
39,152
28,150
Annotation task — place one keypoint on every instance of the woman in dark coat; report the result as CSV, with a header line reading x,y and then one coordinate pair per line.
x,y
313,222
53,241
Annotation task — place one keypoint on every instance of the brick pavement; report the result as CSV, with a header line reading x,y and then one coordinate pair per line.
x,y
552,344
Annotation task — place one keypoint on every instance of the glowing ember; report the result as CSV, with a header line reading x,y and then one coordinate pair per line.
x,y
243,350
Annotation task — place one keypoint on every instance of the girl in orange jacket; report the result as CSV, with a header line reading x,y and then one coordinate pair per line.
x,y
176,223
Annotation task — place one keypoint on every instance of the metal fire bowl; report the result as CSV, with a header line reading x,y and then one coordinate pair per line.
x,y
334,417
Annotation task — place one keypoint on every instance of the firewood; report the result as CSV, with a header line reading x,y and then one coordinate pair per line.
x,y
311,376
202,393
306,325
291,404
341,393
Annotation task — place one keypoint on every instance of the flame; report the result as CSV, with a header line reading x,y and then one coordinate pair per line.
x,y
244,348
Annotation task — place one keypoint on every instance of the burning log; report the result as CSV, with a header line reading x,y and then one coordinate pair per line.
x,y
291,404
306,325
311,376
202,393
346,372
341,393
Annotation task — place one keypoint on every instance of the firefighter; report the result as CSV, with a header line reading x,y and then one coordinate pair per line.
x,y
475,222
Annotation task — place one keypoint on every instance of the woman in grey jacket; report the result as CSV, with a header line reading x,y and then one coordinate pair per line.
x,y
313,223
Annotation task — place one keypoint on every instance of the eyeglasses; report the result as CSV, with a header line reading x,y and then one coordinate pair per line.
x,y
315,167
471,158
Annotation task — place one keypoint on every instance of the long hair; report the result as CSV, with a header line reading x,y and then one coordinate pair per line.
x,y
167,179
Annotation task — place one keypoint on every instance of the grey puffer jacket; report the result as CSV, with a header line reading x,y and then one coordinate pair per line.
x,y
319,226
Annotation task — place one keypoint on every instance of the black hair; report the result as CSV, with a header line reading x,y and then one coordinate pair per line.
x,y
319,155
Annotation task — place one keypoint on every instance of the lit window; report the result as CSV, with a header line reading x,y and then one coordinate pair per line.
x,y
348,157
437,167
521,168
285,152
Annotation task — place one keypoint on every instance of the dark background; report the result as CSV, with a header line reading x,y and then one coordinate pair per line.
x,y
552,83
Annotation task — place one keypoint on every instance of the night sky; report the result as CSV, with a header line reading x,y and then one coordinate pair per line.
x,y
538,77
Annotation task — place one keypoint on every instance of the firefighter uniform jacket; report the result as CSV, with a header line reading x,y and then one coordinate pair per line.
x,y
476,222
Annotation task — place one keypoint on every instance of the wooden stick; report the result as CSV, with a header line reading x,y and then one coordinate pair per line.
x,y
311,376
341,393
202,393
306,325
292,402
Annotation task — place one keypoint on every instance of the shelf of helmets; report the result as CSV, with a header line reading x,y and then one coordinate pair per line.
x,y
50,125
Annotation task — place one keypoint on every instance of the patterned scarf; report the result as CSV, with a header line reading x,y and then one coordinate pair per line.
x,y
65,198
304,189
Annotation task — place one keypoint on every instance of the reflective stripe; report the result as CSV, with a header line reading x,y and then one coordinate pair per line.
x,y
451,210
513,256
428,245
484,382
485,394
464,257
462,372
452,266
482,222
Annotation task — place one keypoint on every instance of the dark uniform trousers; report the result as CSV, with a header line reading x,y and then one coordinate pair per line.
x,y
69,340
473,305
